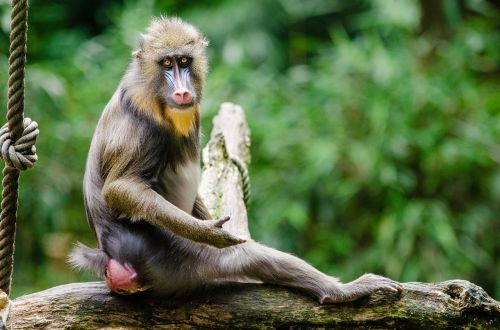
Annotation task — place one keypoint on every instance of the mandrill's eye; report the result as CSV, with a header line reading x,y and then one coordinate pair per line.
x,y
167,62
184,61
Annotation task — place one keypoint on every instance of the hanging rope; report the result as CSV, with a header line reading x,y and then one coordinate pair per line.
x,y
17,139
245,178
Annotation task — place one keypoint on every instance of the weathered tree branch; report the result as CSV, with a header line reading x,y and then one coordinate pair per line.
x,y
448,304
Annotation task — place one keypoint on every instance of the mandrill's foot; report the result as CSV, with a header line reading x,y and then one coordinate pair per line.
x,y
362,287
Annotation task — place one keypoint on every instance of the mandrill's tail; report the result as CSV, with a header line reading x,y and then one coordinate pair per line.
x,y
88,259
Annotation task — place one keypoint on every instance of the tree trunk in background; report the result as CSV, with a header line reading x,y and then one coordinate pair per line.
x,y
432,18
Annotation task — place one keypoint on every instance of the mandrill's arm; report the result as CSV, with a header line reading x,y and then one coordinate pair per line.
x,y
128,194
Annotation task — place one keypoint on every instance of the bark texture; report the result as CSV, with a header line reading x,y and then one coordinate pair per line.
x,y
451,304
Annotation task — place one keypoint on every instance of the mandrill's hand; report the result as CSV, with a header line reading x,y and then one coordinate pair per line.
x,y
212,233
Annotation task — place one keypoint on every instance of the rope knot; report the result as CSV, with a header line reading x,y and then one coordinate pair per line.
x,y
20,154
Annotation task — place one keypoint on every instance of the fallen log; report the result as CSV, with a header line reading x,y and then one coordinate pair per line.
x,y
451,304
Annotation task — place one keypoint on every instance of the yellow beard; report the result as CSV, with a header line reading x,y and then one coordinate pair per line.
x,y
182,120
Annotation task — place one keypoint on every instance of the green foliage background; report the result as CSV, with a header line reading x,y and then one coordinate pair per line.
x,y
375,127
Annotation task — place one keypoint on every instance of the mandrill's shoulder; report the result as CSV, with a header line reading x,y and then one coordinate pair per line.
x,y
121,122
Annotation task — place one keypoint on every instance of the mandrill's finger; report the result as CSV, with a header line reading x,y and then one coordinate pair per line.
x,y
222,221
229,240
237,240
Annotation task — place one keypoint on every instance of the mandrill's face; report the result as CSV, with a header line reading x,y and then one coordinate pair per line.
x,y
172,55
179,91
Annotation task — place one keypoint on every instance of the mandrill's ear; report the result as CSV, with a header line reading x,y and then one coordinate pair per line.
x,y
137,53
204,42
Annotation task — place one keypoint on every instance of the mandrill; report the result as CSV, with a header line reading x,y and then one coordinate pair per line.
x,y
141,182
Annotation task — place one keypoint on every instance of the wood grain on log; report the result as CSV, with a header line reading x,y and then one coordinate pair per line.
x,y
451,304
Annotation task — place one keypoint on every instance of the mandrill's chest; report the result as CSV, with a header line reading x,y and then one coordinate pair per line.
x,y
180,184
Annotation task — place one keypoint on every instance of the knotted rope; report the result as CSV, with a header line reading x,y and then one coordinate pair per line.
x,y
17,139
20,154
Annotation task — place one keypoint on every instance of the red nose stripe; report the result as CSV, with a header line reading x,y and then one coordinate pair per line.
x,y
181,94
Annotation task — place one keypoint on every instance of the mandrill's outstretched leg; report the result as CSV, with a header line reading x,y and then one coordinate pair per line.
x,y
256,261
